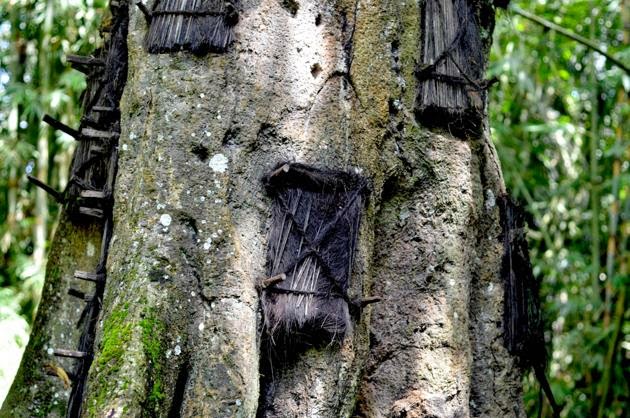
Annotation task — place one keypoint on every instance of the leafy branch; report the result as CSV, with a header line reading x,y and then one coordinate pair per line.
x,y
569,34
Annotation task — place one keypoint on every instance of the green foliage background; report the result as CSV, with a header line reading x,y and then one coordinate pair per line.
x,y
560,123
559,119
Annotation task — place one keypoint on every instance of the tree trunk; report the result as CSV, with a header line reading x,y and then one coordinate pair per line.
x,y
327,84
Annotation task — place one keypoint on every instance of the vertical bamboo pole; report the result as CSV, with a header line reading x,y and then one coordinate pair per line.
x,y
593,173
614,325
41,199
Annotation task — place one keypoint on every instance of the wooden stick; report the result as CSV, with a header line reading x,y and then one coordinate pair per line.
x,y
90,277
90,133
92,194
51,191
80,295
282,169
111,172
81,60
61,126
270,281
84,64
69,353
96,213
95,149
369,300
103,109
148,16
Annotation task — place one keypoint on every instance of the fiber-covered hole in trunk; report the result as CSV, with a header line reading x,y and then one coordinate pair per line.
x,y
196,26
311,244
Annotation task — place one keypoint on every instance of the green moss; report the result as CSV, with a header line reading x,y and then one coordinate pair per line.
x,y
409,50
153,331
117,333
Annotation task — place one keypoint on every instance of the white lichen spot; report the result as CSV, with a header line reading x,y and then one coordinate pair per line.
x,y
50,351
207,244
90,250
193,294
238,402
218,201
193,134
404,215
202,198
201,326
125,147
201,95
455,315
491,201
168,353
490,287
203,221
219,116
165,219
208,134
132,136
198,105
178,350
451,282
218,163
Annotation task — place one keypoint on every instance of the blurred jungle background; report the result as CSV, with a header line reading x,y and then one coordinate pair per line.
x,y
559,117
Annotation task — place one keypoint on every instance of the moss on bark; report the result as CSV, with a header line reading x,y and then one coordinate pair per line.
x,y
34,392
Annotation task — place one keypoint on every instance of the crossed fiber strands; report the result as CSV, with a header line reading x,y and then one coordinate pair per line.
x,y
312,240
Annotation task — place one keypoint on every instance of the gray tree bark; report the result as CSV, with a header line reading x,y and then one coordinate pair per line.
x,y
332,85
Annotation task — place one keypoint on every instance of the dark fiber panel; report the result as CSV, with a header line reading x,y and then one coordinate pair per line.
x,y
522,316
198,26
451,91
312,240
